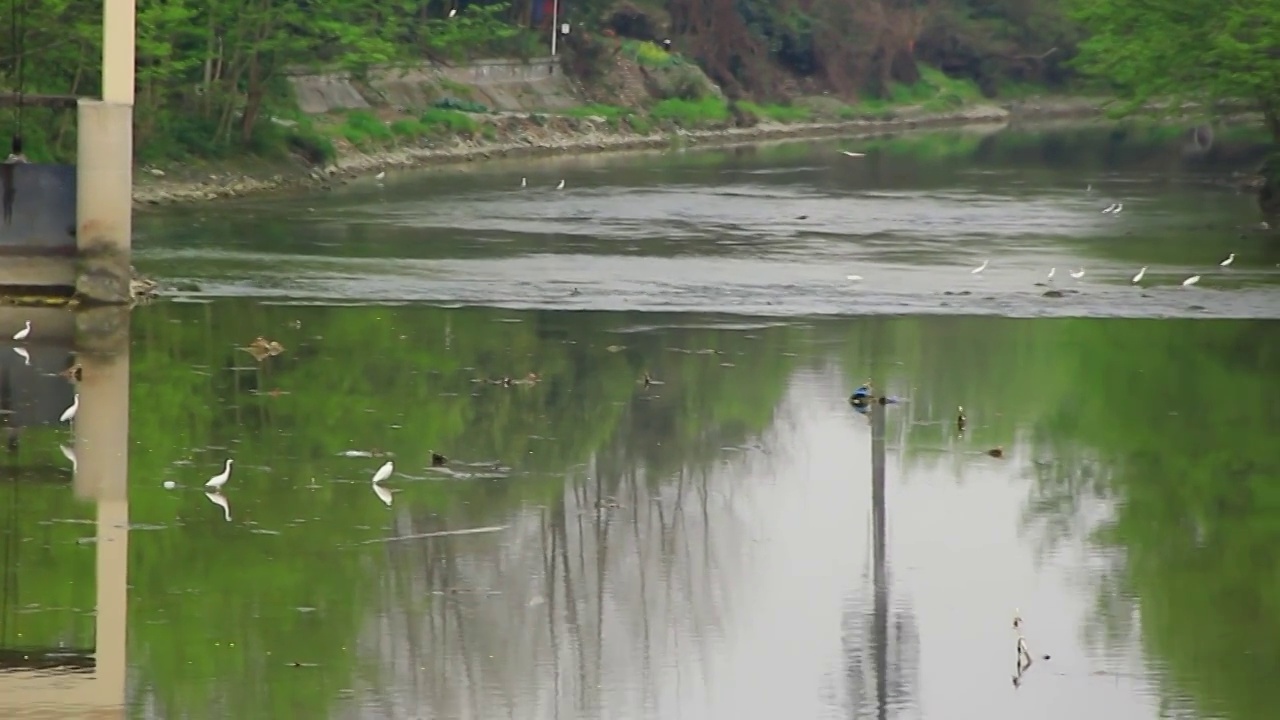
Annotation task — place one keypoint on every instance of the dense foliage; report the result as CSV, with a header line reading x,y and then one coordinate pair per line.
x,y
1195,49
211,74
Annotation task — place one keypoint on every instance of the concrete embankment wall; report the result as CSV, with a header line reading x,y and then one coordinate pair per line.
x,y
511,85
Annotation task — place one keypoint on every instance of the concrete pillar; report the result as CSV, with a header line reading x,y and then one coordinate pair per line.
x,y
104,200
101,429
118,50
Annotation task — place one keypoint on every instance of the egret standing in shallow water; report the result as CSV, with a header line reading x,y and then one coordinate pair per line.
x,y
70,412
384,472
1141,273
1077,274
560,186
217,481
1225,263
1052,271
980,268
1191,281
23,333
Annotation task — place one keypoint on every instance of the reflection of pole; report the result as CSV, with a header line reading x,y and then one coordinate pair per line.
x,y
880,613
555,25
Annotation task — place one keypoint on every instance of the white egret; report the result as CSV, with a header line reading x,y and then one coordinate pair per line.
x,y
23,333
1230,259
1119,207
1191,281
1141,274
852,154
980,268
1110,208
453,11
384,472
854,278
70,412
22,353
1077,274
169,485
560,186
381,176
524,182
1052,271
383,494
217,481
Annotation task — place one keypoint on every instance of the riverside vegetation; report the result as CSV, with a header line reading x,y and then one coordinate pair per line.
x,y
212,77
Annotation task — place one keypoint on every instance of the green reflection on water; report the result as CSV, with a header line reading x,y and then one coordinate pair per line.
x,y
1172,421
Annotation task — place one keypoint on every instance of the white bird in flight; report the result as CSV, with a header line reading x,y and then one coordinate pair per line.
x,y
1141,273
560,186
1191,281
1077,274
980,268
217,481
23,333
1230,259
384,472
852,154
70,412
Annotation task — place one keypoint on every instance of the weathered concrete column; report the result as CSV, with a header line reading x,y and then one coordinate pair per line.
x,y
104,200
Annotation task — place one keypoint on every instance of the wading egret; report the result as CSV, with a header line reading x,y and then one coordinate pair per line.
x,y
980,268
1052,271
560,186
70,412
384,472
1141,274
217,481
23,333
852,154
1077,274
1225,263
1191,281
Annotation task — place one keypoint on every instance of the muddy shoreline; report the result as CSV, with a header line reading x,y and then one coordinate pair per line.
x,y
569,136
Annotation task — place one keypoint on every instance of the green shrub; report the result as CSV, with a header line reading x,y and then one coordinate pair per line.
x,y
439,121
692,113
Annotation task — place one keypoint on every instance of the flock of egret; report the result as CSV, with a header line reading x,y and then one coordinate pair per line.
x,y
70,413
1077,274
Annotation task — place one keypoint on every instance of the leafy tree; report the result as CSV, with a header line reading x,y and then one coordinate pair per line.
x,y
1197,50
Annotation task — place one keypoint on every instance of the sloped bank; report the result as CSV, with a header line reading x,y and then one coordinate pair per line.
x,y
535,134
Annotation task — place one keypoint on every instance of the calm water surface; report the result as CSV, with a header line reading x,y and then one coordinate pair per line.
x,y
733,542
774,230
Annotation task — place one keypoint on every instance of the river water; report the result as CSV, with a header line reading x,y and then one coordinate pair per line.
x,y
733,540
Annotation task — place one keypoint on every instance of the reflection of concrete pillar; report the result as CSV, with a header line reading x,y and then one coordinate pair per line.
x,y
102,471
104,200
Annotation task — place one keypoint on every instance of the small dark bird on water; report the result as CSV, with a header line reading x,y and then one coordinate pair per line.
x,y
438,460
960,418
996,452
